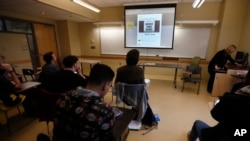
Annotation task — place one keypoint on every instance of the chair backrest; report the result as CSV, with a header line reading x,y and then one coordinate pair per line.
x,y
133,94
195,61
46,104
28,72
194,69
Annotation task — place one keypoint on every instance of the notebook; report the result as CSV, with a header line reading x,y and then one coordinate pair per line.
x,y
117,113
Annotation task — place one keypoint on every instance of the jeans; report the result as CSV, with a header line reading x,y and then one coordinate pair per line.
x,y
196,130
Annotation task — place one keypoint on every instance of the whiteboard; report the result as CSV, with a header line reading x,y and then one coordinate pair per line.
x,y
188,42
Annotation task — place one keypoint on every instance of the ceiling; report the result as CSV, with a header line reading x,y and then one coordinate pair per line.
x,y
35,8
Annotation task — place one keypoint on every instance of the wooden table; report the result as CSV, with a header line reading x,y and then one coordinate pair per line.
x,y
175,66
122,123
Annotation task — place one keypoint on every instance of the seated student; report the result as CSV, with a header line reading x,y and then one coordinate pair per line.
x,y
51,63
232,114
131,73
70,77
81,114
9,83
48,69
243,83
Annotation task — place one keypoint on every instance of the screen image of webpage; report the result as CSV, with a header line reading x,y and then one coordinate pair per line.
x,y
149,31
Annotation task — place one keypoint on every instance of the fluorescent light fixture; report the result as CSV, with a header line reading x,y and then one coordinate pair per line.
x,y
197,3
148,3
84,4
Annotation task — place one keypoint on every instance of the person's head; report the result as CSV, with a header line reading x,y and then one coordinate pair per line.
x,y
100,79
70,61
231,49
49,57
132,57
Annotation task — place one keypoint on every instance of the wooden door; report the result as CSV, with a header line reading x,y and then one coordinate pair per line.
x,y
45,39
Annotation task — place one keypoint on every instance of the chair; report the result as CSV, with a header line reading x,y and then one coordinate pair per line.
x,y
45,106
134,95
28,72
192,74
195,61
5,109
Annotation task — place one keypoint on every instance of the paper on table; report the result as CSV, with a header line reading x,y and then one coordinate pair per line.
x,y
134,125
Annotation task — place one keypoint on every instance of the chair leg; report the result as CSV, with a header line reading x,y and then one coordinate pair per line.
x,y
198,88
47,122
7,122
182,86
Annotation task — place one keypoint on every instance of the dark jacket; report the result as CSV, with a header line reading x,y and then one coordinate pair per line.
x,y
130,75
232,114
220,59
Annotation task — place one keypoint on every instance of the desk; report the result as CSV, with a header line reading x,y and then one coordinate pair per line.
x,y
224,82
163,65
121,124
28,85
90,62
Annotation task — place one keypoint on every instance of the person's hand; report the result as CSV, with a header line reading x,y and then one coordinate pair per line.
x,y
239,65
6,67
216,67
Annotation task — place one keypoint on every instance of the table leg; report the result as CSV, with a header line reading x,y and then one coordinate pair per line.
x,y
175,75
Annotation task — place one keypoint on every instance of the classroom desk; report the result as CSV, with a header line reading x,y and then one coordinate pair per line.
x,y
28,85
87,61
122,123
176,66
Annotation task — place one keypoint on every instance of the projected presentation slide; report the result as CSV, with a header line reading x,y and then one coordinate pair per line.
x,y
149,26
149,31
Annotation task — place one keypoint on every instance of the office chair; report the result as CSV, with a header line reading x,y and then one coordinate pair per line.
x,y
242,58
195,61
192,75
28,72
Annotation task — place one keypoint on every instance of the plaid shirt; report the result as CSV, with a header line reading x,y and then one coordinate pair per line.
x,y
82,115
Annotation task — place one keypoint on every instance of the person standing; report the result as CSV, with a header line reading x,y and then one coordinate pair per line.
x,y
218,62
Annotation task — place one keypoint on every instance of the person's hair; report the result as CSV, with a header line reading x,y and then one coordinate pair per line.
x,y
100,73
47,57
69,61
132,57
232,45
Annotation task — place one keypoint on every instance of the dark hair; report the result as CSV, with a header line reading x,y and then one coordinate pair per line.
x,y
132,57
69,61
47,57
100,73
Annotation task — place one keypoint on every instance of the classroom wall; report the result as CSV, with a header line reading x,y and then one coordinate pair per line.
x,y
233,27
